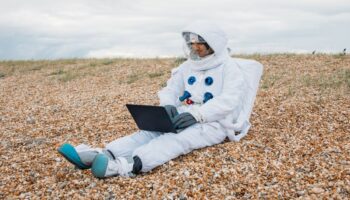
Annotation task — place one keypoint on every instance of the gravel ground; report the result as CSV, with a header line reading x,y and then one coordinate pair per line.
x,y
298,146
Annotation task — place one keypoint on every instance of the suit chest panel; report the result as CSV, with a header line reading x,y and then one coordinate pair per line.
x,y
200,84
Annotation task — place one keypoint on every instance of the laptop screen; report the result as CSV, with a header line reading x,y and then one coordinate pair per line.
x,y
151,118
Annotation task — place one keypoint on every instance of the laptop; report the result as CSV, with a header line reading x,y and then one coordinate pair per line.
x,y
151,118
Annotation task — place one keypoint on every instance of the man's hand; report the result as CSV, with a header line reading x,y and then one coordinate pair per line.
x,y
184,120
171,110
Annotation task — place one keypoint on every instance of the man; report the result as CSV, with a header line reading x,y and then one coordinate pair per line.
x,y
209,97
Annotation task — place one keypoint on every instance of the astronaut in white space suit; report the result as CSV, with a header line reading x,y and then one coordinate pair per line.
x,y
209,97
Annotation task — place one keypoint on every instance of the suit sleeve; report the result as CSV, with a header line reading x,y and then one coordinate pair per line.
x,y
230,101
170,94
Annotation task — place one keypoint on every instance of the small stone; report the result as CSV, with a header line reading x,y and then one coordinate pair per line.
x,y
30,120
92,185
316,190
4,144
182,197
58,159
62,185
186,173
301,193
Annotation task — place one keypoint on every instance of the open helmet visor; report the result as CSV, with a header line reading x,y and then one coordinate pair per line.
x,y
191,38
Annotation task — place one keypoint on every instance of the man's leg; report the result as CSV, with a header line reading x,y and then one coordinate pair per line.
x,y
124,146
118,159
83,155
169,145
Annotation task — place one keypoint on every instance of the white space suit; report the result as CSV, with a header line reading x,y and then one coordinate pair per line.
x,y
218,91
222,113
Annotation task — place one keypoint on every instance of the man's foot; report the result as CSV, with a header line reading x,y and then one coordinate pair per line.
x,y
80,156
103,166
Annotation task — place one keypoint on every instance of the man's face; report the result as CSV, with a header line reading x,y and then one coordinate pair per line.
x,y
200,49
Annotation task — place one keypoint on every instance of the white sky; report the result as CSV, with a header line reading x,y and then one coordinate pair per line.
x,y
44,29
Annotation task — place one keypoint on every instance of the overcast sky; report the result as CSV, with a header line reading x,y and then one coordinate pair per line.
x,y
44,29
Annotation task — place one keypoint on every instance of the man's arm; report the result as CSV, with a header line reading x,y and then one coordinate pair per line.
x,y
169,95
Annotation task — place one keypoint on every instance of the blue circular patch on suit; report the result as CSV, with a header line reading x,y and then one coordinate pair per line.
x,y
209,80
191,80
185,96
207,96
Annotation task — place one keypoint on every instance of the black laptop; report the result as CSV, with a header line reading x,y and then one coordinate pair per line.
x,y
151,118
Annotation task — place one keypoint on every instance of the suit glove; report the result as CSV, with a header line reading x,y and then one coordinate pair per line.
x,y
171,110
184,120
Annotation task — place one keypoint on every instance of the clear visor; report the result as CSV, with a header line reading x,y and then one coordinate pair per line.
x,y
193,38
189,39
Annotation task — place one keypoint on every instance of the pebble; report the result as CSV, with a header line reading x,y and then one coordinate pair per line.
x,y
62,185
92,185
30,120
186,173
316,190
4,144
301,193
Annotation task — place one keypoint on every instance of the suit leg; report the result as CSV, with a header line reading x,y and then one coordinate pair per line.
x,y
169,145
